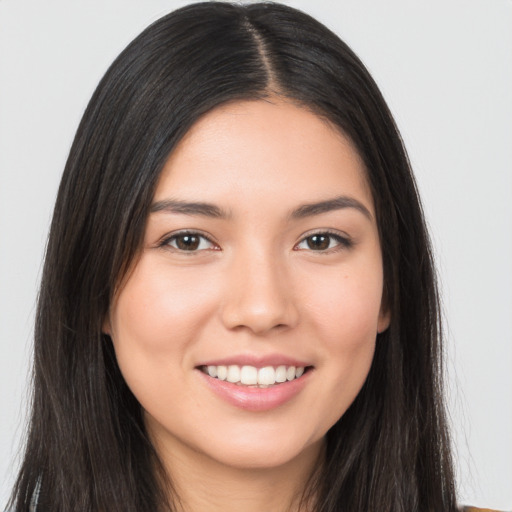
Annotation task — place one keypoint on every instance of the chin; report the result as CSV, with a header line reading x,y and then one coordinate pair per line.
x,y
254,454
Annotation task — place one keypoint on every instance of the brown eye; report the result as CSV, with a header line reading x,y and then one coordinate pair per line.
x,y
318,242
189,242
323,242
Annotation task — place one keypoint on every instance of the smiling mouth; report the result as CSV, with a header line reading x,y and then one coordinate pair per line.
x,y
255,377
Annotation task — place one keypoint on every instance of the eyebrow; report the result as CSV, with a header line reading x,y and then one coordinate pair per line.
x,y
189,208
337,203
303,211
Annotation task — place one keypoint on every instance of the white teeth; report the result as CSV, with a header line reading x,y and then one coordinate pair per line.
x,y
266,376
233,373
281,374
252,376
222,372
290,373
248,375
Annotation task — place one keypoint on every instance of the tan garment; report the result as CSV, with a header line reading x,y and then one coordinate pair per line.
x,y
474,509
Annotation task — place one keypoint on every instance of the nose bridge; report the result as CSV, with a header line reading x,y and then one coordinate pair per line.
x,y
260,296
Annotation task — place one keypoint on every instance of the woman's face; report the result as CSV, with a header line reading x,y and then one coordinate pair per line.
x,y
261,263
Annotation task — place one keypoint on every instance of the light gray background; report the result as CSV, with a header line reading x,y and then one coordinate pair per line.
x,y
445,68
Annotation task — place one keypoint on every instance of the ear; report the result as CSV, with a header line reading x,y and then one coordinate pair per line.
x,y
384,319
105,326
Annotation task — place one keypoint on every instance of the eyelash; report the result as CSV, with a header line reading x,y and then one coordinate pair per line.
x,y
342,242
196,234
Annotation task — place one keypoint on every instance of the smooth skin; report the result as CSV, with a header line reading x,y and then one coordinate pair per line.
x,y
254,273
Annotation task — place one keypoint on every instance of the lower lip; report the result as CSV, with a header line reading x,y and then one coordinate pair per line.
x,y
254,398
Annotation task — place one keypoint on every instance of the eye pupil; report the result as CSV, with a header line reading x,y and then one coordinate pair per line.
x,y
318,242
187,242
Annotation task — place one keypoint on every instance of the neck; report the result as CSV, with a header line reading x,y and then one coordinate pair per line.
x,y
201,484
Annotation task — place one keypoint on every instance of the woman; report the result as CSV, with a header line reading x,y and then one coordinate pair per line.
x,y
238,307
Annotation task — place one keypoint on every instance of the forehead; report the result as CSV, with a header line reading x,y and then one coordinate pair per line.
x,y
250,151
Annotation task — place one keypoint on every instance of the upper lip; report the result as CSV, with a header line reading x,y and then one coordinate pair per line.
x,y
258,361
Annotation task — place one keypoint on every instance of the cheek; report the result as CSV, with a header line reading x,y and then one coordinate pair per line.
x,y
345,322
159,310
154,319
346,307
348,331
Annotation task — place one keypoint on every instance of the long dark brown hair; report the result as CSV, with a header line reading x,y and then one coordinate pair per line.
x,y
87,447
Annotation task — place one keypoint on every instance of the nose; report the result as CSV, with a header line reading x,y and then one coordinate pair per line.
x,y
260,295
